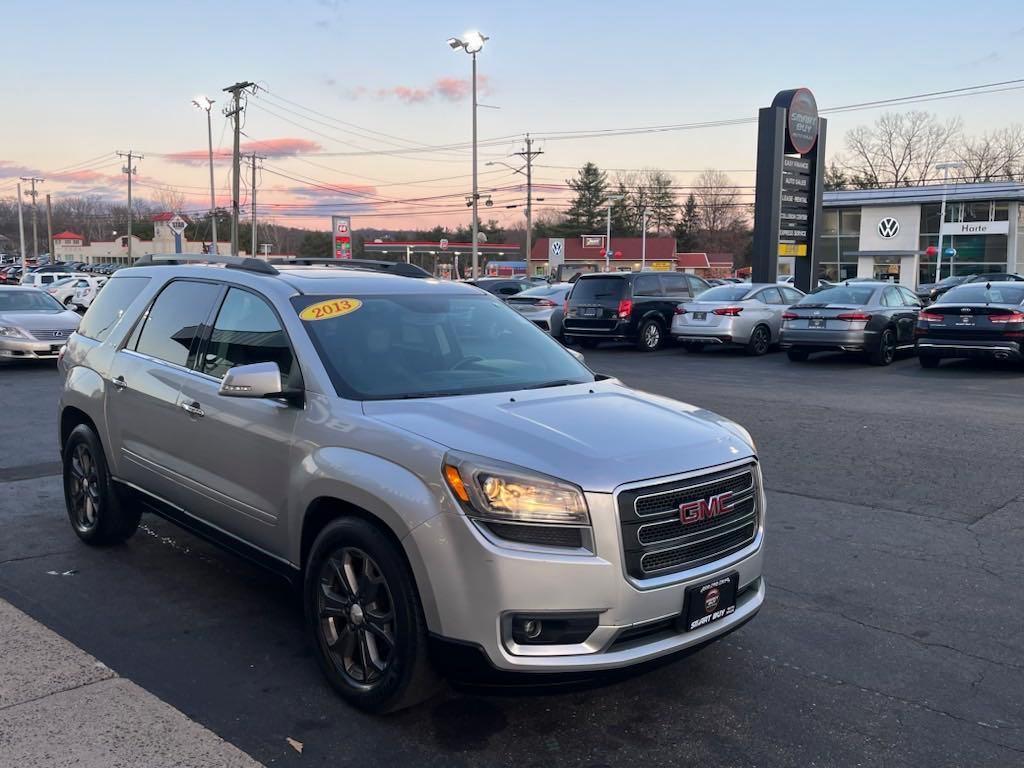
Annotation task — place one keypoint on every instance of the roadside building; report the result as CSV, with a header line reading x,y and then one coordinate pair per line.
x,y
447,259
706,264
71,246
586,253
884,233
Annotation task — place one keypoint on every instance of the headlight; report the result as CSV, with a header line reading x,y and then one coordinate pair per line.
x,y
12,332
509,494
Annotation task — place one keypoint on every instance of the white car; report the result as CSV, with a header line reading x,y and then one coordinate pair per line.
x,y
44,280
76,290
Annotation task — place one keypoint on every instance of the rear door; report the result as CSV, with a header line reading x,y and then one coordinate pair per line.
x,y
774,305
649,298
144,415
902,315
594,303
239,474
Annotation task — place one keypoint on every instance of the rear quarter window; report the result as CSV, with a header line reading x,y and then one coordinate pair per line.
x,y
110,305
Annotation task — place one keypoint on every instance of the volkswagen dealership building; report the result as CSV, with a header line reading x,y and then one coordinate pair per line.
x,y
884,233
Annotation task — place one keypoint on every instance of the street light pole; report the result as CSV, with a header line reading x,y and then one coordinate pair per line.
x,y
944,167
209,136
472,43
476,194
643,243
608,238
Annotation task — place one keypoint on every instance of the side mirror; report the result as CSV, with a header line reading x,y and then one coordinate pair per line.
x,y
575,353
255,380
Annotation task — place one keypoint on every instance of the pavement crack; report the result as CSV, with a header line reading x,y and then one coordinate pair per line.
x,y
113,676
35,557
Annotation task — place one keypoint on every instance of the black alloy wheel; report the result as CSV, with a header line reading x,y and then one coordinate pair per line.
x,y
759,342
94,507
885,352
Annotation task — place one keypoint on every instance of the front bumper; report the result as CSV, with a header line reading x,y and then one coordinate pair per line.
x,y
965,348
476,593
824,339
29,349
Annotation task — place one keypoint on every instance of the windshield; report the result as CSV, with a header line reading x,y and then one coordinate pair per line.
x,y
840,294
724,293
428,345
953,280
589,290
28,301
977,293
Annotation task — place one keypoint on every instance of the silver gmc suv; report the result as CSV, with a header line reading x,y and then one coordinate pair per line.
x,y
452,488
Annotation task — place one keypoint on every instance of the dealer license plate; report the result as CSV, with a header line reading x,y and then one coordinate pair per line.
x,y
816,322
700,315
710,602
588,312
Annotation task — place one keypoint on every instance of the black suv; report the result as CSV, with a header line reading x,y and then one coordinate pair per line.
x,y
627,306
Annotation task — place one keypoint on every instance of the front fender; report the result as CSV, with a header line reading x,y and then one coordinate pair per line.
x,y
397,497
85,390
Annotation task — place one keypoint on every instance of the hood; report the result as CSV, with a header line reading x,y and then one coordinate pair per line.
x,y
62,319
597,436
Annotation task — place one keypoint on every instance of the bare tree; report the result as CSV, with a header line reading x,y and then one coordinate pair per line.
x,y
995,156
168,199
900,149
718,202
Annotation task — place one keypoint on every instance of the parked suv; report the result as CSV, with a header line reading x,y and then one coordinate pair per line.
x,y
431,467
627,306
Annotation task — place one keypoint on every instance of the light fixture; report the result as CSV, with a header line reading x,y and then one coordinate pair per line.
x,y
471,42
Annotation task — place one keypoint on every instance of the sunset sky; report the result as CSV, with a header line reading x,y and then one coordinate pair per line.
x,y
356,97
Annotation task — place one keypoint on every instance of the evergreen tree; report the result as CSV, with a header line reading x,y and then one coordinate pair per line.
x,y
587,210
686,228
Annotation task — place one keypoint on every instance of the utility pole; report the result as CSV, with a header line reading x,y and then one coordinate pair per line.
x,y
643,244
49,227
476,192
235,113
528,154
131,171
199,101
252,203
35,214
21,230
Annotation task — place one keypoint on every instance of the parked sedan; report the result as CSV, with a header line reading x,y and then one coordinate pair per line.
x,y
748,314
537,304
876,319
33,325
975,320
932,291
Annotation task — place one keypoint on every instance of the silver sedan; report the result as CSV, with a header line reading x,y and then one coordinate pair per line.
x,y
747,314
33,324
538,304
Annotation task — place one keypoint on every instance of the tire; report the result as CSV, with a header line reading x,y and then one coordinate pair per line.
x,y
650,337
373,651
95,510
797,355
693,347
69,303
760,341
928,361
885,352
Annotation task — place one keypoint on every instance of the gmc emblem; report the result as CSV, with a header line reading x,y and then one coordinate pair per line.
x,y
705,509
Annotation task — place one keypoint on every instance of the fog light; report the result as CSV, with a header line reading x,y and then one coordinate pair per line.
x,y
553,629
532,629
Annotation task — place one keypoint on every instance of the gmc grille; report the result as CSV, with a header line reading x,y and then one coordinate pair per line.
x,y
656,541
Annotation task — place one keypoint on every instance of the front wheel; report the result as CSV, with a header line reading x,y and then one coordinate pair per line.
x,y
759,342
363,613
650,336
885,352
94,508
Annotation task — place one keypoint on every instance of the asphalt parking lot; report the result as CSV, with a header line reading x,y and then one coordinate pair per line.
x,y
892,633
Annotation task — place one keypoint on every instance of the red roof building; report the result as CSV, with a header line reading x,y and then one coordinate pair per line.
x,y
67,235
590,249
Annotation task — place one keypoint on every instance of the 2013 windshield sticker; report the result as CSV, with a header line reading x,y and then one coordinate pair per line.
x,y
325,310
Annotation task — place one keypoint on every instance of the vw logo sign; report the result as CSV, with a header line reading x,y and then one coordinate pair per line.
x,y
888,227
556,248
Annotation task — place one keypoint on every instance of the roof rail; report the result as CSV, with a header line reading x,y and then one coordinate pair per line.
x,y
248,264
373,265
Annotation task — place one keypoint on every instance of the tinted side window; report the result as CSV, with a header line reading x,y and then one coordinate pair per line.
x,y
109,305
891,298
791,295
770,296
246,331
646,285
174,323
909,299
697,285
675,285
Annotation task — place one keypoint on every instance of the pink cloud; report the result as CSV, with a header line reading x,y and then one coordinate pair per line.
x,y
10,169
282,147
447,88
82,177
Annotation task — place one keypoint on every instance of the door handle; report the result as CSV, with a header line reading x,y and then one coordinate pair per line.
x,y
119,383
193,408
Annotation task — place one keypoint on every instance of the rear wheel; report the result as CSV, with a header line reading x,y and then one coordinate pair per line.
x,y
885,352
363,613
759,342
928,361
94,508
797,355
650,336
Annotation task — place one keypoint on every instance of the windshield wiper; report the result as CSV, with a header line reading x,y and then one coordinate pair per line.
x,y
557,383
